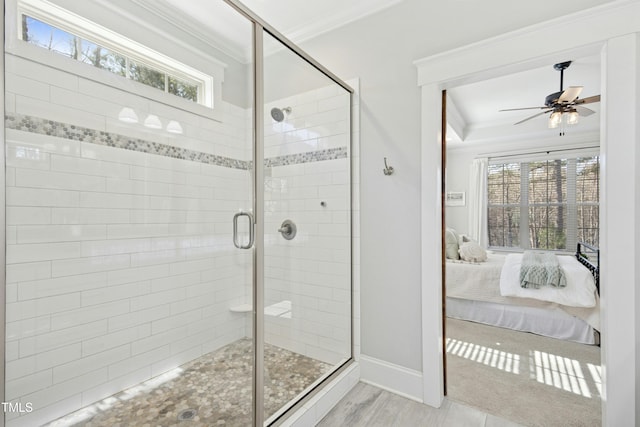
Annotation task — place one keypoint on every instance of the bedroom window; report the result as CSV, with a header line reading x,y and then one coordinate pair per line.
x,y
587,199
546,204
504,205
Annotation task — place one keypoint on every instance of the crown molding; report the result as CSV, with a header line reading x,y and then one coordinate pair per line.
x,y
504,54
197,30
305,31
351,12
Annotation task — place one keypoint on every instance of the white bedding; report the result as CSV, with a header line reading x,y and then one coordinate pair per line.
x,y
481,282
549,323
579,292
475,281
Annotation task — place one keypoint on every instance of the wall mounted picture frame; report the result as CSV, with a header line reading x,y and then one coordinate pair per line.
x,y
455,198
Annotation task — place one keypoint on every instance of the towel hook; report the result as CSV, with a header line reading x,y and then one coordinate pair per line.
x,y
388,170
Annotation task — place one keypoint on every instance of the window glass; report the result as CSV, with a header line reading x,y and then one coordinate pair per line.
x,y
54,39
50,38
182,88
103,58
548,204
147,75
547,227
544,205
588,179
587,197
504,192
504,226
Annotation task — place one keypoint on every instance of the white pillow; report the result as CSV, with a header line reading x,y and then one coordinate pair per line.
x,y
451,243
472,251
462,238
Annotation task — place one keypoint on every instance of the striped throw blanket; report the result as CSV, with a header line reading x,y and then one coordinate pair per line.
x,y
541,269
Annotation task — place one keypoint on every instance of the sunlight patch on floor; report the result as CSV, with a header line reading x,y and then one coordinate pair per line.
x,y
596,374
103,405
558,371
495,358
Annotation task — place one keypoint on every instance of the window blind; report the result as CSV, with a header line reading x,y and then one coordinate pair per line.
x,y
543,203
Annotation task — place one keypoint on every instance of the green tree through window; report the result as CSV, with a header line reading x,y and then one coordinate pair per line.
x,y
549,204
51,38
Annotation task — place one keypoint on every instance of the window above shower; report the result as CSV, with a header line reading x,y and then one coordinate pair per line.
x,y
90,50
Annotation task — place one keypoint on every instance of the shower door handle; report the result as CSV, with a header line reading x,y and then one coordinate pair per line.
x,y
236,243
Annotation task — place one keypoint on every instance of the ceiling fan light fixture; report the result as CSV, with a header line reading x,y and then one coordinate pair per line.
x,y
573,117
555,119
565,103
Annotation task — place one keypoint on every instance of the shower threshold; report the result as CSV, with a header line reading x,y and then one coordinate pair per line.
x,y
215,389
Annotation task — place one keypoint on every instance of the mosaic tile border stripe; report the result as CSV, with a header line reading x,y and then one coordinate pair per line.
x,y
42,126
110,139
310,156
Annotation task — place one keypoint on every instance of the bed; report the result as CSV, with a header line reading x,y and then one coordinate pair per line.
x,y
489,292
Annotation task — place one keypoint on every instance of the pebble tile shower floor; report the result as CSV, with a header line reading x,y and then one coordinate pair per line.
x,y
213,390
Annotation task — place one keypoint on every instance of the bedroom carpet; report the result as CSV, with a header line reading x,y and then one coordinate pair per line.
x,y
525,378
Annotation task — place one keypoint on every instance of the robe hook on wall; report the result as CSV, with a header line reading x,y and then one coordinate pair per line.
x,y
388,170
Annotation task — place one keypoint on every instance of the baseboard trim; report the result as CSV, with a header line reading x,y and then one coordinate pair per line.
x,y
396,379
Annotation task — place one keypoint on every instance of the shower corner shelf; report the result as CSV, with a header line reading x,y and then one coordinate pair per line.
x,y
279,309
242,308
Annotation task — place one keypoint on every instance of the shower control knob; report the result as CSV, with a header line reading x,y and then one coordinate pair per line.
x,y
288,229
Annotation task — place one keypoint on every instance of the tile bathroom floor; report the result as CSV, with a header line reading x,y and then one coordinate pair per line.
x,y
369,406
215,389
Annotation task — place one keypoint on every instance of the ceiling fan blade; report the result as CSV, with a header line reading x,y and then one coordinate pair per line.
x,y
588,100
531,117
525,108
584,111
570,94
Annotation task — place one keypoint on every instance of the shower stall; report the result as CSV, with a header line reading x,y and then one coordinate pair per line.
x,y
178,216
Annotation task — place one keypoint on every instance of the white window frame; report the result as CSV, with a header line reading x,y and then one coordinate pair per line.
x,y
209,86
570,203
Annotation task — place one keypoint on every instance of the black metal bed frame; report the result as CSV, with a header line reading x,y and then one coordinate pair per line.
x,y
583,257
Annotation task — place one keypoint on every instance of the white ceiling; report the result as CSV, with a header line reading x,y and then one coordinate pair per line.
x,y
219,25
473,108
301,20
478,104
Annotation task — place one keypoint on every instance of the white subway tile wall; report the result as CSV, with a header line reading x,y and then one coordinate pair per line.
x,y
312,271
120,262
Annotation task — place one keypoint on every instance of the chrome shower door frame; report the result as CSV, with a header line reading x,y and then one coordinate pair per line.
x,y
258,209
3,231
259,27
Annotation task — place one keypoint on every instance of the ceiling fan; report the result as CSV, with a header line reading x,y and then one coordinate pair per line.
x,y
565,102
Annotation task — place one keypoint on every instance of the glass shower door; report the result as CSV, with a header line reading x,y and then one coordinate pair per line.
x,y
129,151
307,227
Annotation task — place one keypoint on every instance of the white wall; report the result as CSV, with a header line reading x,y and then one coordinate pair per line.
x,y
380,50
457,179
621,219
